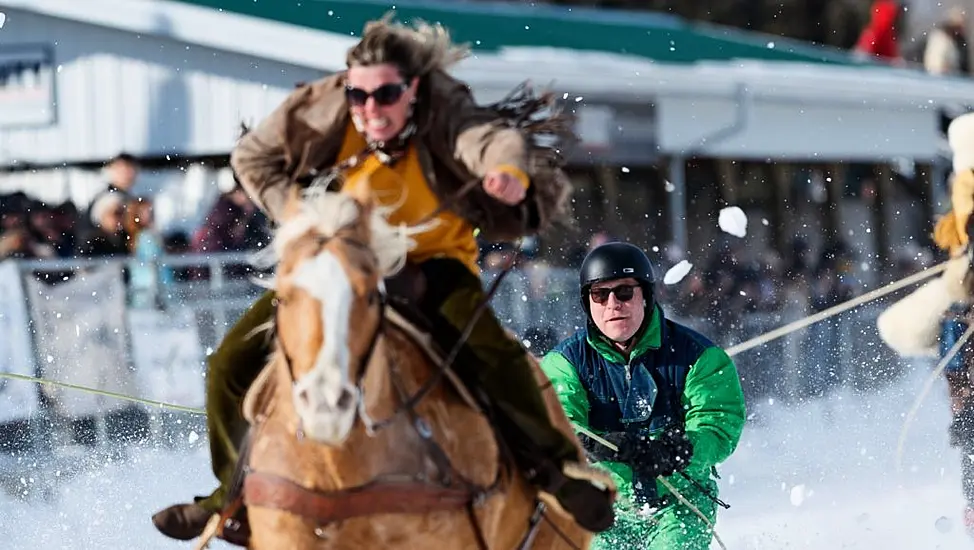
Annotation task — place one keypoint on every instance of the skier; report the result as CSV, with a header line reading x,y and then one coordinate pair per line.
x,y
668,398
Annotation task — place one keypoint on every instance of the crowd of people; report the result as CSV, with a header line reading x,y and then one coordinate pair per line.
x,y
942,50
119,223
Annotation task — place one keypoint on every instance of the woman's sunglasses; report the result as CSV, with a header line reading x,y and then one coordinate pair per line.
x,y
384,95
623,293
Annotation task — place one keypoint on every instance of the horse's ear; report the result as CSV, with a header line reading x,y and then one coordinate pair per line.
x,y
368,203
292,206
362,194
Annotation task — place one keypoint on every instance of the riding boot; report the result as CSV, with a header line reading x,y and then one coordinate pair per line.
x,y
493,362
182,521
232,368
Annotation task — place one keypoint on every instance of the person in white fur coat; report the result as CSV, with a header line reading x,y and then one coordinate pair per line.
x,y
930,320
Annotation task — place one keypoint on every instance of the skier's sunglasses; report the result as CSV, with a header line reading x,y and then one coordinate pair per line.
x,y
623,293
384,95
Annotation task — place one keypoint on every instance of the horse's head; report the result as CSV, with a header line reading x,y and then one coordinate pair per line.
x,y
333,253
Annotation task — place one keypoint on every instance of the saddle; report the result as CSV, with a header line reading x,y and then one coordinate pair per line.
x,y
405,292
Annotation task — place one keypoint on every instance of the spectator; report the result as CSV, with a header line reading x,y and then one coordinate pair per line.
x,y
233,224
879,38
150,282
54,227
17,239
107,236
945,52
122,170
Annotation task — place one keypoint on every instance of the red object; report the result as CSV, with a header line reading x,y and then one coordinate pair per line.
x,y
879,36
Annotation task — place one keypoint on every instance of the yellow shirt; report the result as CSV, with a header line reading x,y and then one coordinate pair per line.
x,y
403,185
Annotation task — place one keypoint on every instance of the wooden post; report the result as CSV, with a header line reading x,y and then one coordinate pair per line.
x,y
730,179
607,178
884,186
835,182
925,190
779,177
678,204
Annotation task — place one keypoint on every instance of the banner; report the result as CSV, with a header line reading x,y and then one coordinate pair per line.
x,y
80,338
17,399
169,362
27,74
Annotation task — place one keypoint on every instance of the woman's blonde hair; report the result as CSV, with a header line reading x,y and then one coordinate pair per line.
x,y
415,51
950,233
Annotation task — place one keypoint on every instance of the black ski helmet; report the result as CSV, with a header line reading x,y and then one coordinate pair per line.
x,y
616,261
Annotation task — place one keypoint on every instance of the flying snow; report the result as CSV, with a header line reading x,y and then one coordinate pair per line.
x,y
676,273
799,493
733,220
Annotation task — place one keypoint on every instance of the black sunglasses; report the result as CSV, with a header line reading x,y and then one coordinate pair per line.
x,y
623,293
384,95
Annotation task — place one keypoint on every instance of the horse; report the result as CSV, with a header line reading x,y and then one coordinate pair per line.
x,y
360,437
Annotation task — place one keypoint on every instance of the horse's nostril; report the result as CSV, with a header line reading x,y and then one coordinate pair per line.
x,y
302,397
345,401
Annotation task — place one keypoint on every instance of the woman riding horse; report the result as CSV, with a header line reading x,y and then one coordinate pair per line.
x,y
397,123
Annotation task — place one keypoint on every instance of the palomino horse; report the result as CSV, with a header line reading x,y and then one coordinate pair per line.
x,y
353,443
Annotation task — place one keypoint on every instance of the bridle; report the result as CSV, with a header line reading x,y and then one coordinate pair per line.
x,y
376,299
408,403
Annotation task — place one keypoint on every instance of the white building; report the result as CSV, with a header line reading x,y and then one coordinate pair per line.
x,y
171,81
87,82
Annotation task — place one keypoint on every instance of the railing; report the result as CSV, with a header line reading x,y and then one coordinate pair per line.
x,y
80,321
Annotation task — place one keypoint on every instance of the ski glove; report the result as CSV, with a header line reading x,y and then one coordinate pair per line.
x,y
597,452
664,456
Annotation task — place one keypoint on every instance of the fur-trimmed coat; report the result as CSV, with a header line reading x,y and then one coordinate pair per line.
x,y
457,140
912,326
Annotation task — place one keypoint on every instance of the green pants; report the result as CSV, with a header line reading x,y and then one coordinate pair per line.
x,y
673,527
490,361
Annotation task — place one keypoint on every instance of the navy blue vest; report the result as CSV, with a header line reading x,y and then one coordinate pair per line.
x,y
643,396
952,327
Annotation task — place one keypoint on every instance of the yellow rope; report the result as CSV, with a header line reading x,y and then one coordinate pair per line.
x,y
835,310
70,386
679,496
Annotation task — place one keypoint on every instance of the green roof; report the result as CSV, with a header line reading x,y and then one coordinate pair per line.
x,y
488,26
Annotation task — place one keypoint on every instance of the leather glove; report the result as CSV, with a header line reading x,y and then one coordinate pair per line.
x,y
597,452
669,453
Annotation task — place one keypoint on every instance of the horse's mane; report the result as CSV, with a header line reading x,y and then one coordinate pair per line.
x,y
327,212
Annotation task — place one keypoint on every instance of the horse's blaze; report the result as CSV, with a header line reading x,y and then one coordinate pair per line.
x,y
324,398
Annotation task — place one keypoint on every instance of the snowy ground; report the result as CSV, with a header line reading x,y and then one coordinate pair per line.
x,y
815,476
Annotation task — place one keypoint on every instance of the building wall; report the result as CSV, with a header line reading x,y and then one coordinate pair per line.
x,y
149,96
